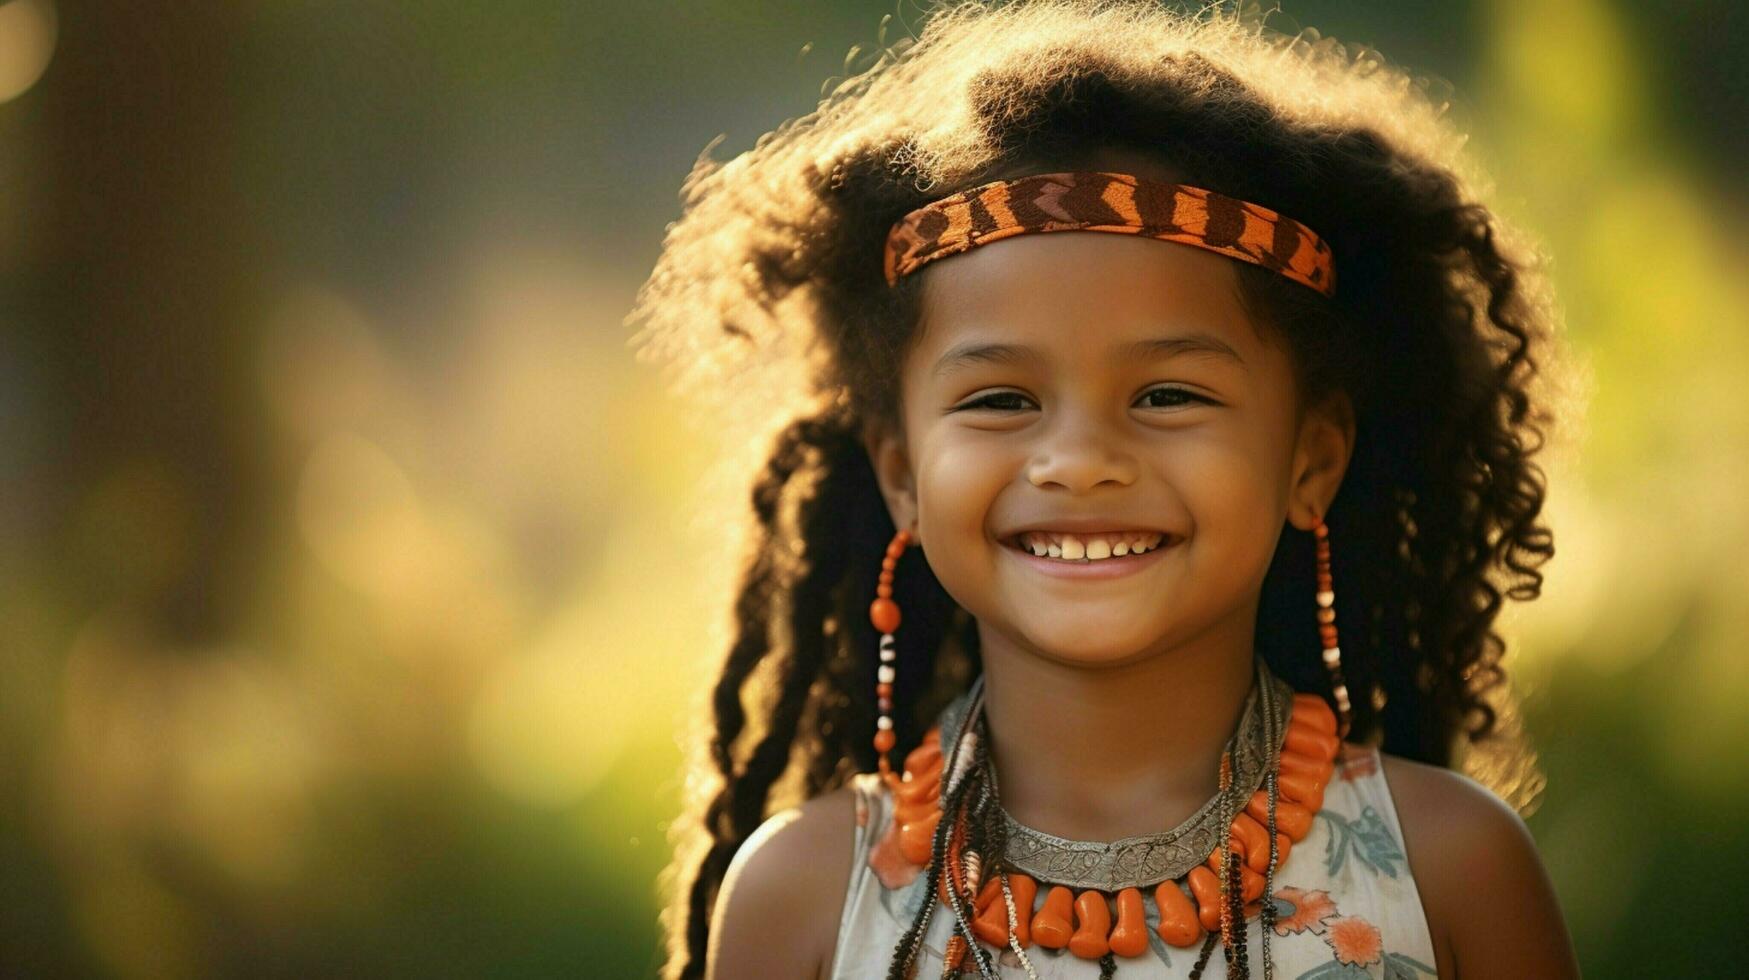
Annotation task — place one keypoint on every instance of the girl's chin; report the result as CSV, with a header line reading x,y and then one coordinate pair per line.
x,y
1088,640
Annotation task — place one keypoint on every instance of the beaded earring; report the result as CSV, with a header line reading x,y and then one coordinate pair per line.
x,y
1326,598
884,614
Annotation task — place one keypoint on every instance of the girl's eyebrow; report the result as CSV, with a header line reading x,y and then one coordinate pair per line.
x,y
1197,343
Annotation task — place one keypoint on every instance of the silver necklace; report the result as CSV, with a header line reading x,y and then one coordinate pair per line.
x,y
1144,860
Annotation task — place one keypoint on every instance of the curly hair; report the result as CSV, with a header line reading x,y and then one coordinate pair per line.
x,y
768,301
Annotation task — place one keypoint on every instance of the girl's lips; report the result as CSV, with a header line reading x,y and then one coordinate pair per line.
x,y
1102,568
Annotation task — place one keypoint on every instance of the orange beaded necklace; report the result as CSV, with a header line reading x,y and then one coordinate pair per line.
x,y
1083,921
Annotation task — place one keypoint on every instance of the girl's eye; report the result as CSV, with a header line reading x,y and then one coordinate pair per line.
x,y
1001,401
1171,398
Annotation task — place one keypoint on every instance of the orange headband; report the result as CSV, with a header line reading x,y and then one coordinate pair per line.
x,y
1099,201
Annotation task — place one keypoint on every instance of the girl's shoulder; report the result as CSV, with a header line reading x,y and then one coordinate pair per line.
x,y
1482,883
777,913
1449,821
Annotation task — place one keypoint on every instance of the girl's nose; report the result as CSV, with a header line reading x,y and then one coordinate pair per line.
x,y
1081,456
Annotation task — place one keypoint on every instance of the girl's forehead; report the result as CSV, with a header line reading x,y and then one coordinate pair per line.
x,y
1070,289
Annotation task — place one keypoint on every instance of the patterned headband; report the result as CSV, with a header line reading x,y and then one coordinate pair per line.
x,y
1122,203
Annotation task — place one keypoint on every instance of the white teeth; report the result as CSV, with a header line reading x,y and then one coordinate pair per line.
x,y
1073,547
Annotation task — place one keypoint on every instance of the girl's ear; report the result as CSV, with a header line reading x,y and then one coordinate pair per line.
x,y
1325,443
892,466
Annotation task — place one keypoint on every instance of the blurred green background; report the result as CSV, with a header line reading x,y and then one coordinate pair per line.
x,y
350,607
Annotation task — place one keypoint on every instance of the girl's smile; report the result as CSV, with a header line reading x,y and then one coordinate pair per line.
x,y
1089,556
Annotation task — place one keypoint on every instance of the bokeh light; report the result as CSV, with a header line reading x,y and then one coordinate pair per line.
x,y
27,42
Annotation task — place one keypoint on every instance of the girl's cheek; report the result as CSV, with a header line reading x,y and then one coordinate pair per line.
x,y
958,484
1227,489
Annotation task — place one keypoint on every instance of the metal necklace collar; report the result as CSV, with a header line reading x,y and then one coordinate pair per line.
x,y
1141,861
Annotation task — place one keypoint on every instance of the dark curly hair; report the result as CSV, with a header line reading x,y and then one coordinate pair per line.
x,y
769,303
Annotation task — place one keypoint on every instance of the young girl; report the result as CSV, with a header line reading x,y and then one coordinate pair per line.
x,y
1120,595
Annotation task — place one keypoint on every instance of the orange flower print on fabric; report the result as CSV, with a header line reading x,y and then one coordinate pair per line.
x,y
1355,940
1297,910
1356,762
889,863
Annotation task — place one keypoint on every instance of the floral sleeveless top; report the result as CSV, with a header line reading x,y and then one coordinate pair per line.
x,y
1346,905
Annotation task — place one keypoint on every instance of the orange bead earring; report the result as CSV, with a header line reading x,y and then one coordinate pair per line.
x,y
884,614
1326,599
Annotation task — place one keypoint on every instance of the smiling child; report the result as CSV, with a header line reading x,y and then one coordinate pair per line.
x,y
1123,586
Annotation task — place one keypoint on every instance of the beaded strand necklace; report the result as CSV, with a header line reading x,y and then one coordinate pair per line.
x,y
1300,733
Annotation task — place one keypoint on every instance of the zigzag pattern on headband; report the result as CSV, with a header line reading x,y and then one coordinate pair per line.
x,y
1101,201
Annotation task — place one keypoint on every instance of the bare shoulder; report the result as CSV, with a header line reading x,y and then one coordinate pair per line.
x,y
1489,901
777,913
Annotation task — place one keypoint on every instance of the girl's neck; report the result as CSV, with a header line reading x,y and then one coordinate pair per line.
x,y
1105,753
